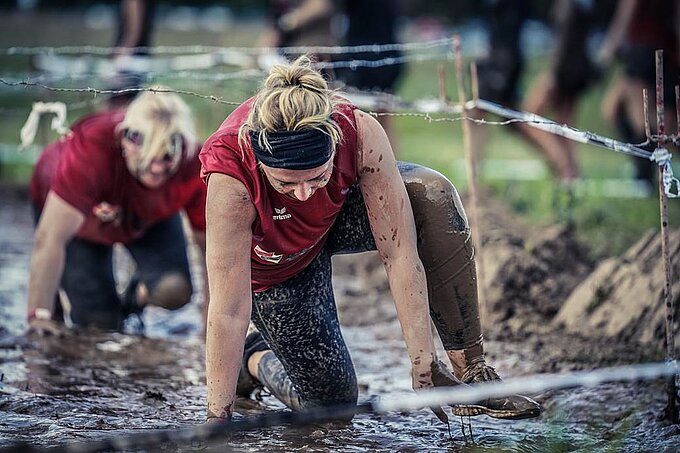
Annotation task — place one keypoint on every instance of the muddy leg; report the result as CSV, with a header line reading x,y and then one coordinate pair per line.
x,y
162,277
445,248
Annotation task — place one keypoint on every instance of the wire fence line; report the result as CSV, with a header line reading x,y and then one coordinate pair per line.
x,y
428,110
97,91
103,50
146,77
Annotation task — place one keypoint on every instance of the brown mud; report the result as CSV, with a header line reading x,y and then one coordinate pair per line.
x,y
91,385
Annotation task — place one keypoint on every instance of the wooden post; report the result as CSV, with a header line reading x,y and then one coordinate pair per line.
x,y
475,82
672,407
443,96
472,179
645,106
677,111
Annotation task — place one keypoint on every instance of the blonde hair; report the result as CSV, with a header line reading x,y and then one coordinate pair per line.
x,y
294,97
159,117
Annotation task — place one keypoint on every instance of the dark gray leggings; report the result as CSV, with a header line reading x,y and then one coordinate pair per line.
x,y
88,278
311,365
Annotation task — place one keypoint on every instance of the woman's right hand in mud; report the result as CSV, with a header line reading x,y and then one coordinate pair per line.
x,y
442,377
437,376
45,327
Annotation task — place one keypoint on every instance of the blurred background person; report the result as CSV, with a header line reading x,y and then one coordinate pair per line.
x,y
135,28
499,71
636,32
558,89
371,22
299,23
119,177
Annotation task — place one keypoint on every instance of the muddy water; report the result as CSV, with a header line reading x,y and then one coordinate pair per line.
x,y
91,385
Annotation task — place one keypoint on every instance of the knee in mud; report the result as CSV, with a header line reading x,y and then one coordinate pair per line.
x,y
342,394
173,291
432,194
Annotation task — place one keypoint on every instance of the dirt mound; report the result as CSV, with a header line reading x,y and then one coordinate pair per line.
x,y
527,280
623,297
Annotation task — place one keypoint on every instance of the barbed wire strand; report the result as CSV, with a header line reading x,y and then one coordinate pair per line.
x,y
194,49
441,396
433,107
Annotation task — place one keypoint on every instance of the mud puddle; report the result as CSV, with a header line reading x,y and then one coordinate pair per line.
x,y
92,385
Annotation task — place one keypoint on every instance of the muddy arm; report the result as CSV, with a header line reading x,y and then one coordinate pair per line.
x,y
229,217
199,240
59,222
391,219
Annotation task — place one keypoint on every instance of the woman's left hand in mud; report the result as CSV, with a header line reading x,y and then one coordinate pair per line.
x,y
45,327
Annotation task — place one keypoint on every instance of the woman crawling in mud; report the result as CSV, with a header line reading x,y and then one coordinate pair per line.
x,y
117,177
295,175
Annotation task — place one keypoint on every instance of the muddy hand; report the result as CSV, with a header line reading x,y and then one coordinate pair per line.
x,y
44,328
436,376
442,377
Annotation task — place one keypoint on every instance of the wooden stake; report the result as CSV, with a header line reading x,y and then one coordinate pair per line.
x,y
672,407
472,179
677,111
645,106
475,82
443,96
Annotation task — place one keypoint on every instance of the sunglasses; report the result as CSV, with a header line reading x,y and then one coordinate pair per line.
x,y
176,147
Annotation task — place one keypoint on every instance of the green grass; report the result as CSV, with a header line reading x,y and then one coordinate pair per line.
x,y
608,225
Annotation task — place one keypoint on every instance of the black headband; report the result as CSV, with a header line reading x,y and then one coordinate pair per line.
x,y
293,150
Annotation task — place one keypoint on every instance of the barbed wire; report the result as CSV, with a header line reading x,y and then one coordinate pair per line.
x,y
381,101
437,397
147,77
97,91
194,49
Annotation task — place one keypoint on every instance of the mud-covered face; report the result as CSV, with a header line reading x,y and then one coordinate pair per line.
x,y
299,184
155,172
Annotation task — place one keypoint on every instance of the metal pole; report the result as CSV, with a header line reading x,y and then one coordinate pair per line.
x,y
671,408
472,179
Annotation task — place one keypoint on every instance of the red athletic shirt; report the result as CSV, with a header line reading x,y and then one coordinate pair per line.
x,y
287,233
86,168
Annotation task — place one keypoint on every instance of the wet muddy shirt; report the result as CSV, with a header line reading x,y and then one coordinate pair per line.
x,y
86,168
287,233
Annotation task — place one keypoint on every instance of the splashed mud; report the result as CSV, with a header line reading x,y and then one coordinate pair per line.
x,y
91,385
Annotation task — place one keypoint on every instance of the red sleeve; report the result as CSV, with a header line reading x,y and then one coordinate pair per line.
x,y
83,172
222,154
195,205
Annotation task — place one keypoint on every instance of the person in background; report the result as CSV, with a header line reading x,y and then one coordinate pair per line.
x,y
299,23
135,27
298,174
500,69
371,22
133,38
118,177
559,88
636,32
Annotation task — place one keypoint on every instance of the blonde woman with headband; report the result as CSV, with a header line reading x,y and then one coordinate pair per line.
x,y
118,177
295,175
